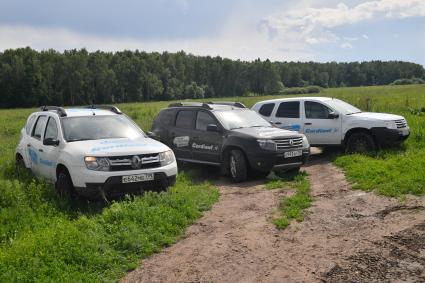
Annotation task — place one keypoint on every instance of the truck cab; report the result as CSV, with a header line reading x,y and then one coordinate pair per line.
x,y
328,121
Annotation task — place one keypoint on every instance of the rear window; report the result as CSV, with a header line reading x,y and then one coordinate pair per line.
x,y
184,119
29,124
266,109
290,109
39,127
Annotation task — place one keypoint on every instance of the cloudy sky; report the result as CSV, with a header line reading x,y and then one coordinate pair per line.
x,y
285,30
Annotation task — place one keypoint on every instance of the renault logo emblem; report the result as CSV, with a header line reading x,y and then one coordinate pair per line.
x,y
136,162
291,142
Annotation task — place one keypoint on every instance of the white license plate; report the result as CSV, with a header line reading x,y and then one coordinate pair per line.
x,y
294,153
137,178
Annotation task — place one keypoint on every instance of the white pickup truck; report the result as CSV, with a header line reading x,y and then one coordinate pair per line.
x,y
329,121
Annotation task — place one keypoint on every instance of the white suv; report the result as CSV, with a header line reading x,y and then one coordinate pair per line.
x,y
96,151
328,121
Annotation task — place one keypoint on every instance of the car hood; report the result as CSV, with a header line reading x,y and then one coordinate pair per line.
x,y
377,116
267,132
117,147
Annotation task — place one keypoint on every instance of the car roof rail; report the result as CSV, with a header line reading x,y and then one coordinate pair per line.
x,y
58,109
190,104
105,107
230,103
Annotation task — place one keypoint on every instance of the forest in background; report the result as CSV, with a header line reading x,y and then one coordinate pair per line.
x,y
31,78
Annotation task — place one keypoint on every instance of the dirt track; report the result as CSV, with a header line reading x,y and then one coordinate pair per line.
x,y
347,236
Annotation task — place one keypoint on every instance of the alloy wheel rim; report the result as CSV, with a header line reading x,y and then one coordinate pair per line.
x,y
233,166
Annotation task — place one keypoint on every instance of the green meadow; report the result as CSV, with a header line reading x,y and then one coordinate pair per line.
x,y
43,238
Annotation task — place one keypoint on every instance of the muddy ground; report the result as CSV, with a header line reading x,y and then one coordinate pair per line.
x,y
347,236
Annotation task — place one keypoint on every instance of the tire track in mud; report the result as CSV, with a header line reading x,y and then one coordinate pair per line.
x,y
236,241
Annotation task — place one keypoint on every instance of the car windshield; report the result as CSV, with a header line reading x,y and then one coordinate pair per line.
x,y
99,127
344,107
237,119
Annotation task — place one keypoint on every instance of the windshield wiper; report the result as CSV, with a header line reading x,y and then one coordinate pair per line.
x,y
354,113
74,140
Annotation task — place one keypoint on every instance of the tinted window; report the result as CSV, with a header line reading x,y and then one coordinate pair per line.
x,y
266,109
39,127
203,120
29,124
166,117
184,119
99,127
314,110
289,110
243,118
51,129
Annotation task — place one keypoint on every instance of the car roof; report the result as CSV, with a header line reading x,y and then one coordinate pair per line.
x,y
313,98
81,112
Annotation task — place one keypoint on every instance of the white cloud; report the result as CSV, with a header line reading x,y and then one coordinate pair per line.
x,y
236,42
314,25
346,45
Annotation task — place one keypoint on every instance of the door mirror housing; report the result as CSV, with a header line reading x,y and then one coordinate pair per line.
x,y
51,142
333,115
213,128
152,135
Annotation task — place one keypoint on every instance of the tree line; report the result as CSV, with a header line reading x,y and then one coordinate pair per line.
x,y
74,77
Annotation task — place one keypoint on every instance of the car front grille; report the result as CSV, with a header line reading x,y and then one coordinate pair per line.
x,y
288,143
124,163
401,123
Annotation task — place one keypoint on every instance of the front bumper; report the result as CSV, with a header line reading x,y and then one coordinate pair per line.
x,y
267,161
385,136
88,182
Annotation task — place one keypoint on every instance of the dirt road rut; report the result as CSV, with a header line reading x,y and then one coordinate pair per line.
x,y
347,236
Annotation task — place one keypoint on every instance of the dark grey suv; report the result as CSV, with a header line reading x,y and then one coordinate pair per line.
x,y
229,135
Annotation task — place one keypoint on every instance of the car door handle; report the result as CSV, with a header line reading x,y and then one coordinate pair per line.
x,y
40,150
307,123
28,145
278,123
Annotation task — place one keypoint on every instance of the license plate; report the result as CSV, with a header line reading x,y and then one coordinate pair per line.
x,y
294,153
137,178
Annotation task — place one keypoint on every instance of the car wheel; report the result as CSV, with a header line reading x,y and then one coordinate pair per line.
x,y
360,142
237,166
20,163
64,186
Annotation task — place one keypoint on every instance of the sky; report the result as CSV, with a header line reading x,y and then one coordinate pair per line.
x,y
285,30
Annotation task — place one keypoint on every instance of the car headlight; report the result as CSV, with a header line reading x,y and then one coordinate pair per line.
x,y
390,125
267,144
97,163
166,157
306,144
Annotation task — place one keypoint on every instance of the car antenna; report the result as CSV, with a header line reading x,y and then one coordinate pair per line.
x,y
92,107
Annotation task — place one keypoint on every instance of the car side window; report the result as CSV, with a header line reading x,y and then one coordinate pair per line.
x,y
166,117
29,124
266,109
204,119
315,110
184,119
290,109
39,127
51,129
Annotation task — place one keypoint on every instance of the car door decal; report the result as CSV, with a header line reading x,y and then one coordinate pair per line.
x,y
206,147
33,156
182,141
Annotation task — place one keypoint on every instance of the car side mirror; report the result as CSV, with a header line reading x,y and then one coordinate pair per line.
x,y
152,135
213,128
333,115
51,142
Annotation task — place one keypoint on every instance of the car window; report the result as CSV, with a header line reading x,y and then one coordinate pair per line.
x,y
39,127
29,124
166,117
51,129
204,119
290,109
184,119
315,110
266,109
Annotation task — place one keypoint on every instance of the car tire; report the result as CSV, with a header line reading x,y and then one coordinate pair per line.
x,y
360,142
64,186
20,163
238,166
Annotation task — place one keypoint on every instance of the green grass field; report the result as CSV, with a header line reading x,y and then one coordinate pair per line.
x,y
44,239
